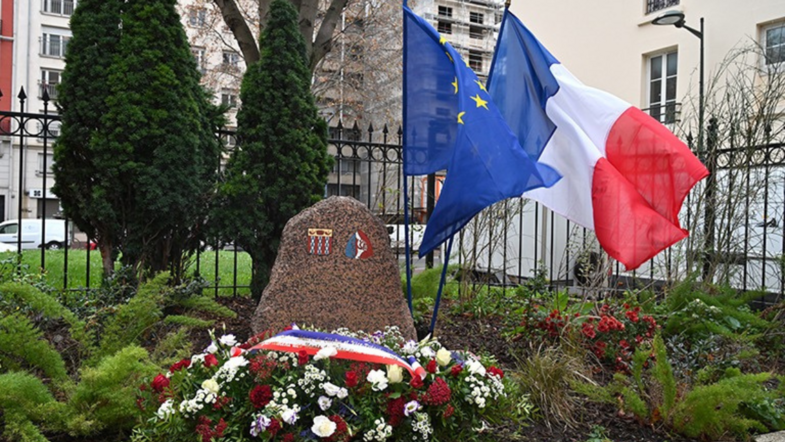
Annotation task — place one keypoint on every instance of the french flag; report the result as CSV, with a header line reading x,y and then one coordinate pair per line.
x,y
624,175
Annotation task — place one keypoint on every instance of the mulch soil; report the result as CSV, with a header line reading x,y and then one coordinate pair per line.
x,y
482,336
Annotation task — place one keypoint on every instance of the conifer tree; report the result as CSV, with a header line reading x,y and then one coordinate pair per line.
x,y
79,183
154,155
281,164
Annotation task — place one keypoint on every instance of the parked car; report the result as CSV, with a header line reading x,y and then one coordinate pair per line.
x,y
31,232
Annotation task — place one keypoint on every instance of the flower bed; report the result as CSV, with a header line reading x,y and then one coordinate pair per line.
x,y
245,393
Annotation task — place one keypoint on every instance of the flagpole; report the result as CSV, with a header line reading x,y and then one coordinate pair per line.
x,y
405,185
441,287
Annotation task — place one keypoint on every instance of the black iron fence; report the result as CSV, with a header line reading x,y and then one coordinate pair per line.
x,y
513,240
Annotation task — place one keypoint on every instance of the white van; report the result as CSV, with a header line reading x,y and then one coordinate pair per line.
x,y
31,233
398,236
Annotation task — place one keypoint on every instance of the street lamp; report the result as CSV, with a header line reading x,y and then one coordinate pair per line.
x,y
676,18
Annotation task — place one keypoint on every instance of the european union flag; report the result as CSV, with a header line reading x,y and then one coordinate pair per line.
x,y
451,123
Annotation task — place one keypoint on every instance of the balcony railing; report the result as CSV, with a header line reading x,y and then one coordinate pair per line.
x,y
670,113
51,89
657,5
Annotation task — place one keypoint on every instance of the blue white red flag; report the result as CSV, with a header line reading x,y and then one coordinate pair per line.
x,y
625,175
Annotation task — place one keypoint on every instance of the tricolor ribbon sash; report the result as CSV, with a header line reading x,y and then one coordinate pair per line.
x,y
353,349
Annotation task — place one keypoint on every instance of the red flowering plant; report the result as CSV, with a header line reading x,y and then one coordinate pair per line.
x,y
610,330
229,393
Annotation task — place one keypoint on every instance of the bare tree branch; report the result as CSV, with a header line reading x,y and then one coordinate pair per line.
x,y
234,19
323,42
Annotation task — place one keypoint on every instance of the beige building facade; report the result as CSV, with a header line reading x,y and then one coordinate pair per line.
x,y
610,44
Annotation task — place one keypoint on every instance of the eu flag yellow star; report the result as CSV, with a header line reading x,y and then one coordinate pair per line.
x,y
460,114
442,40
482,86
480,102
449,56
455,84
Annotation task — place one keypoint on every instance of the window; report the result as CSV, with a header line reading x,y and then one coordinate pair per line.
x,y
10,228
774,44
60,7
476,32
49,162
54,45
199,56
343,190
444,11
476,17
444,27
54,132
475,61
197,17
231,58
229,98
349,166
49,81
658,5
497,18
662,87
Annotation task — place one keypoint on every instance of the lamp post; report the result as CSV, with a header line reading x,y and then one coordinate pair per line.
x,y
676,18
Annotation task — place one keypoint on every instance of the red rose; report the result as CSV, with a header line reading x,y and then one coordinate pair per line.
x,y
302,357
261,395
496,371
431,366
416,382
177,366
210,361
159,383
351,379
456,369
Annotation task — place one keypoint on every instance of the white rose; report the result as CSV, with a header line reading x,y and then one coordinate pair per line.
x,y
475,367
211,386
331,389
394,374
323,427
324,402
228,340
325,353
443,357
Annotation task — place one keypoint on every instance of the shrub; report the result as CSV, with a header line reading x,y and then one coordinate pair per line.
x,y
26,403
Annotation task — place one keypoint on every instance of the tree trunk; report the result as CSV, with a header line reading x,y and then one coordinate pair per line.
x,y
234,19
107,258
261,276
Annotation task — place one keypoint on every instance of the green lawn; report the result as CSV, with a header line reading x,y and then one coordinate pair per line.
x,y
77,274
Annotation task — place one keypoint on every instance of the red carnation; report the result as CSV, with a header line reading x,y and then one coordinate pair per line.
x,y
210,361
159,383
219,429
448,411
177,366
341,433
438,393
456,369
431,366
274,428
288,437
395,411
416,382
351,379
302,357
261,395
496,371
